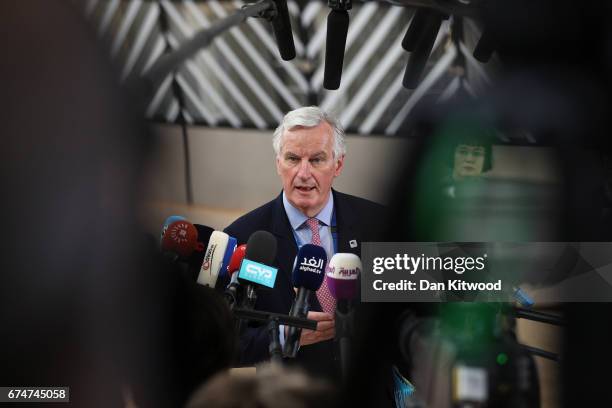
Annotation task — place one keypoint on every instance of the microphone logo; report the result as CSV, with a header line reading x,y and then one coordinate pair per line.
x,y
341,272
257,273
178,232
312,265
209,254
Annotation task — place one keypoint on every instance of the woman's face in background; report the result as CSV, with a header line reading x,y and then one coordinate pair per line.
x,y
469,161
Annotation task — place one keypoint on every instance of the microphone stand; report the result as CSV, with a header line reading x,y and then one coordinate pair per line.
x,y
274,320
344,332
520,312
541,353
260,316
248,304
275,349
251,297
291,345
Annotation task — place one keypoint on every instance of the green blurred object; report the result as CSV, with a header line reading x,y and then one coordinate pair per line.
x,y
502,358
484,207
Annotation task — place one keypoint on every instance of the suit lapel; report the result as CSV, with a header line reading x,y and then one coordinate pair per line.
x,y
287,248
347,223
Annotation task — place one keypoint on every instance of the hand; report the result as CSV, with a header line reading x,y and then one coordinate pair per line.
x,y
326,329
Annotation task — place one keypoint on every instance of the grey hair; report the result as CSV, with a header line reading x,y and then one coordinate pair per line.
x,y
310,116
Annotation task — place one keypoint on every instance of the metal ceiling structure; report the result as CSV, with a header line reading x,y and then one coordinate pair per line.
x,y
240,81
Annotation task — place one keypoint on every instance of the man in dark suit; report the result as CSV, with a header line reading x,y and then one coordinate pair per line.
x,y
310,150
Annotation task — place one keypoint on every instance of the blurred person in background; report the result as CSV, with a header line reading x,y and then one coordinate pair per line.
x,y
472,158
470,153
83,304
555,84
274,386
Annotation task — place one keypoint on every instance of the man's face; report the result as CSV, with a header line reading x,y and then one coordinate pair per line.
x,y
469,161
307,166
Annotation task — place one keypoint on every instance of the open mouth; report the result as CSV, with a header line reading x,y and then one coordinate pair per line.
x,y
304,189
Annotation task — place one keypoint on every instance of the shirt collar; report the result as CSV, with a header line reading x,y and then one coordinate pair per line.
x,y
297,218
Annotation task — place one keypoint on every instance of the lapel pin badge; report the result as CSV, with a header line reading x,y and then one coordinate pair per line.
x,y
353,243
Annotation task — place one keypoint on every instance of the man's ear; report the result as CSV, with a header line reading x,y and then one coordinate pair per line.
x,y
278,165
339,166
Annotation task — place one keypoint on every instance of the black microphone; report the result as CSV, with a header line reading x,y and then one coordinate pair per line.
x,y
418,24
485,46
337,30
282,31
308,275
420,43
254,269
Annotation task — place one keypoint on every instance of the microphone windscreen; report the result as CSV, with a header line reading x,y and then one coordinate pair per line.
x,y
170,220
342,273
261,247
231,247
181,238
213,258
422,49
415,29
309,268
337,29
485,47
282,31
237,258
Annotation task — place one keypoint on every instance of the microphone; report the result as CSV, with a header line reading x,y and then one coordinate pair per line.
x,y
342,279
181,239
231,247
419,40
337,30
416,29
254,270
184,242
167,223
485,47
308,275
236,260
281,25
342,272
232,293
213,259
